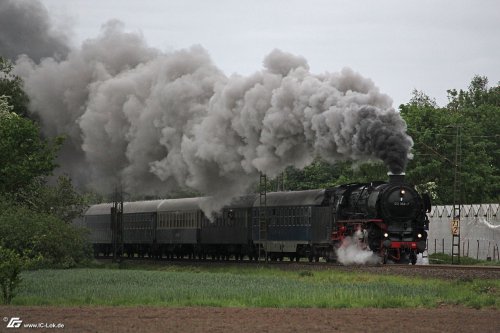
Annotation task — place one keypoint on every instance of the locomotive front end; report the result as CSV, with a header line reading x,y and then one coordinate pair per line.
x,y
402,209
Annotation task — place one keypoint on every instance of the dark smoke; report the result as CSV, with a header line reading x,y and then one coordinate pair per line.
x,y
156,121
25,28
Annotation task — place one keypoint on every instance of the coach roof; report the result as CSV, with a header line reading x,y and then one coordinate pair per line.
x,y
171,205
141,206
99,209
293,198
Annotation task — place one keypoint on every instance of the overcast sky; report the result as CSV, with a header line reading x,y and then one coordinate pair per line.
x,y
401,45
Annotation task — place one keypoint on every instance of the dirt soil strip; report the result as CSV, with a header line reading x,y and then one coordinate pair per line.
x,y
207,319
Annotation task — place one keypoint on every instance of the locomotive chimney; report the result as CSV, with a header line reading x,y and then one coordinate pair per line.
x,y
396,178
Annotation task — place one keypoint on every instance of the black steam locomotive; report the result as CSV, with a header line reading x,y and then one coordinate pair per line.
x,y
388,218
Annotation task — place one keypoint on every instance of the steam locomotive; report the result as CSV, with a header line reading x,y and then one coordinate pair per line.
x,y
388,218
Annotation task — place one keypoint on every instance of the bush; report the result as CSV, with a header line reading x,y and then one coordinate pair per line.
x,y
11,265
52,242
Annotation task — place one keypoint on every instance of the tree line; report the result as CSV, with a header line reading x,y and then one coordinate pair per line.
x,y
35,217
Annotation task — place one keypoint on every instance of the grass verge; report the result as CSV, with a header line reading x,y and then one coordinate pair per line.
x,y
441,258
246,287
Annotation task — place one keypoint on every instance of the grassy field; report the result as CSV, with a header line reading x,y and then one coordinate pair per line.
x,y
246,287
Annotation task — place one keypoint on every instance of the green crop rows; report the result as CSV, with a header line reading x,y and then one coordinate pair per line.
x,y
247,287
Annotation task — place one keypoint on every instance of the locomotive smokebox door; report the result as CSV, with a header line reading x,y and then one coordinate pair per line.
x,y
396,179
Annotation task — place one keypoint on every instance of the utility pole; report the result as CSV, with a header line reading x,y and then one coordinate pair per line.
x,y
457,198
117,225
280,182
263,216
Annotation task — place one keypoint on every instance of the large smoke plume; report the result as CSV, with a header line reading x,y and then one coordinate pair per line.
x,y
25,28
157,121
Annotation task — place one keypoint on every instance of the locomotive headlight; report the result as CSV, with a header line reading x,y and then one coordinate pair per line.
x,y
419,235
403,192
386,235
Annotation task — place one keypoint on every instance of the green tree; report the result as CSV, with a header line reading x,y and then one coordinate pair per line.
x,y
24,155
41,237
11,265
321,174
477,113
60,200
12,87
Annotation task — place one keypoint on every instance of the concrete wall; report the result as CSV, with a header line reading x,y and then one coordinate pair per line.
x,y
479,230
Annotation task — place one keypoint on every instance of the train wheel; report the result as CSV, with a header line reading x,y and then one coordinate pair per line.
x,y
413,258
385,256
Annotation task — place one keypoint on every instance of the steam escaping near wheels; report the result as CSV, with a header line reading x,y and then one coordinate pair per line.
x,y
351,252
157,121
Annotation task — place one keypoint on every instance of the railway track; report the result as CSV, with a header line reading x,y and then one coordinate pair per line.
x,y
451,272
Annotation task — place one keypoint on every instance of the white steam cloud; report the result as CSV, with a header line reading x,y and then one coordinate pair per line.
x,y
156,121
352,252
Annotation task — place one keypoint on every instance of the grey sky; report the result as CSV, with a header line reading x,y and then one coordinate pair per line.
x,y
401,45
